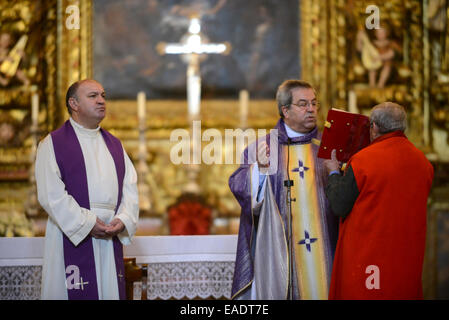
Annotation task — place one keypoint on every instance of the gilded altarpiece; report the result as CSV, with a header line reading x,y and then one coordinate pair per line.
x,y
438,246
40,54
334,39
27,67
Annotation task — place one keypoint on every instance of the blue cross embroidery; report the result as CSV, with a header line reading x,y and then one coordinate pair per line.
x,y
307,241
301,169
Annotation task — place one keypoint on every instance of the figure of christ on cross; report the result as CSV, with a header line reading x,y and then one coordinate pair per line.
x,y
193,49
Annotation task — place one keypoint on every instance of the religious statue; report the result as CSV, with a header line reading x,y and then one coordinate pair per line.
x,y
377,54
10,60
13,129
6,132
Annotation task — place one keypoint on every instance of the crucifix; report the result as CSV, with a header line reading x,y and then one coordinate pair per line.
x,y
193,48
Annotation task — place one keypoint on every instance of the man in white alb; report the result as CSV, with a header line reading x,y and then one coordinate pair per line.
x,y
88,186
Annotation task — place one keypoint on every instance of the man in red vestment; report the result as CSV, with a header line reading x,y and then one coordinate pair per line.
x,y
382,201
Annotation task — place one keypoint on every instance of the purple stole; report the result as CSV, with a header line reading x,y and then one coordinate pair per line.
x,y
70,160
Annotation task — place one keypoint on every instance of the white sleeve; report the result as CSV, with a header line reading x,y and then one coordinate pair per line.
x,y
75,222
257,185
128,211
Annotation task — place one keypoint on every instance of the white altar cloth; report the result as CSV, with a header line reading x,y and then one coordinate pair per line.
x,y
182,248
178,266
29,251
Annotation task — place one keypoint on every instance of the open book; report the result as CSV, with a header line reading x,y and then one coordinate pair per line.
x,y
346,132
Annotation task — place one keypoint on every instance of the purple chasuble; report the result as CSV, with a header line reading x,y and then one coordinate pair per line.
x,y
70,160
239,183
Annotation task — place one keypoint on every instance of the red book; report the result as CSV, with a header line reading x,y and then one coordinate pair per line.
x,y
346,132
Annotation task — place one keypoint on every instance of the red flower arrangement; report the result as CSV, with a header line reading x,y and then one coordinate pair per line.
x,y
189,216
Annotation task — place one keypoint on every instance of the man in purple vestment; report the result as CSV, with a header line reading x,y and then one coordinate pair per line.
x,y
262,268
88,186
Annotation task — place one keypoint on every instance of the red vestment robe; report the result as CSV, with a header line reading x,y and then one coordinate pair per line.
x,y
381,244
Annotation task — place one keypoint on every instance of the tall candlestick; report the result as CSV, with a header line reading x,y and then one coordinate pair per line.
x,y
31,203
142,168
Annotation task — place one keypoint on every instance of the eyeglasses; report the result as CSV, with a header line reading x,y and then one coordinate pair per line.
x,y
304,104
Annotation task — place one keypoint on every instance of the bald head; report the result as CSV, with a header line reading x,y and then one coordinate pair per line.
x,y
86,102
389,117
73,90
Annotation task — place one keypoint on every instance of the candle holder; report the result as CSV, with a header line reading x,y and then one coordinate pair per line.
x,y
142,167
193,169
31,204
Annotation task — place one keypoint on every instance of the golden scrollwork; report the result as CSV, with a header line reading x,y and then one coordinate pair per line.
x,y
323,45
331,60
23,27
439,68
27,32
74,48
18,63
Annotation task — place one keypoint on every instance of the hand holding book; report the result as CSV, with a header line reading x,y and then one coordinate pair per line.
x,y
332,164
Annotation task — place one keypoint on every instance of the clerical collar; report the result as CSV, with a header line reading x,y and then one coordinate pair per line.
x,y
292,133
79,128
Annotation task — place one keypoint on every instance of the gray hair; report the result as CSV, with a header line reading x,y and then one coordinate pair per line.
x,y
284,93
389,117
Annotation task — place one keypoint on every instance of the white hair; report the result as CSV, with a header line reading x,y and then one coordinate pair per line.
x,y
388,117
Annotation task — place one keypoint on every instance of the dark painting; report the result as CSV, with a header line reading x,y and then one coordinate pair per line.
x,y
264,35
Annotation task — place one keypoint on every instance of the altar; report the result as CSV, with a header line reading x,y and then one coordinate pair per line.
x,y
179,267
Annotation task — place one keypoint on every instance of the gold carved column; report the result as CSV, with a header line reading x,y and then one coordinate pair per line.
x,y
74,46
331,61
323,51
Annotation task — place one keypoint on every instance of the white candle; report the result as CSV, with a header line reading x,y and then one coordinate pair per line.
x,y
352,103
34,110
244,101
141,106
193,87
194,95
